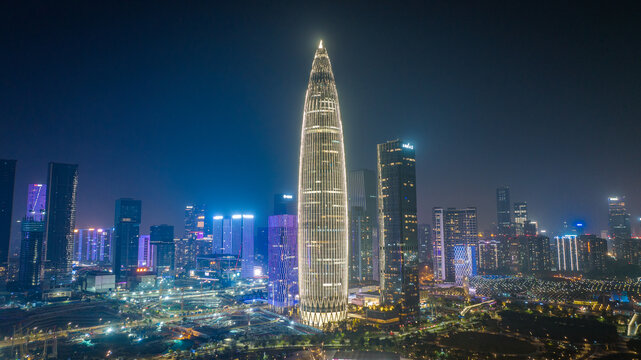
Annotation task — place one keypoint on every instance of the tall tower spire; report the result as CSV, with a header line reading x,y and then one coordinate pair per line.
x,y
322,201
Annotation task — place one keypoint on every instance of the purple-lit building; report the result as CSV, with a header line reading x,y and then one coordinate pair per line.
x,y
282,262
36,202
31,267
92,246
145,253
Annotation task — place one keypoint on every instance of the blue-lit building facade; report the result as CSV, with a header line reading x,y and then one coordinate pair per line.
x,y
126,236
465,262
282,262
235,236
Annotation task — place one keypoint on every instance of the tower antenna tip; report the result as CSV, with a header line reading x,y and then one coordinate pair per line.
x,y
320,46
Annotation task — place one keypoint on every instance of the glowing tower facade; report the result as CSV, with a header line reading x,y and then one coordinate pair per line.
x,y
322,201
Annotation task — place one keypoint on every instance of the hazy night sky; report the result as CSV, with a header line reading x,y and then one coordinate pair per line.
x,y
178,102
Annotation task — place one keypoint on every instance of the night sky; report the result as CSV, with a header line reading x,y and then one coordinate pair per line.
x,y
178,102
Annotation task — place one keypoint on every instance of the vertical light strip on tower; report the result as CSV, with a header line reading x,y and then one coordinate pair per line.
x,y
322,201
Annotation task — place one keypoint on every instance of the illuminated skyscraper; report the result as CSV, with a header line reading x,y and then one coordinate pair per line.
x,y
126,236
520,217
488,255
36,202
145,255
322,201
283,262
455,244
197,222
593,253
32,241
507,256
620,232
425,248
618,218
397,226
534,254
235,236
92,246
62,185
7,182
567,253
161,239
503,211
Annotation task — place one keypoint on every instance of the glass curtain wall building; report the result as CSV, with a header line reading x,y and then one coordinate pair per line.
x,y
322,201
283,262
397,224
62,188
126,236
31,267
361,190
235,236
92,246
161,240
455,244
7,182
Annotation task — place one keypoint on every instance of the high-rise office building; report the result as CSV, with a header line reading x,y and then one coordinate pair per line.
x,y
244,225
283,262
567,253
440,246
531,228
220,224
503,211
62,185
620,232
534,254
198,223
425,248
455,243
285,204
186,253
145,253
32,255
398,227
235,236
161,239
361,191
618,218
488,253
322,201
126,236
593,252
7,183
92,246
520,218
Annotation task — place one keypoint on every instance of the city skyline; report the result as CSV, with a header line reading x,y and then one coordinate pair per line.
x,y
458,180
424,120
